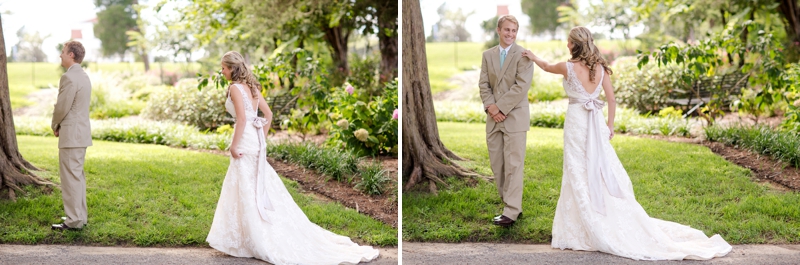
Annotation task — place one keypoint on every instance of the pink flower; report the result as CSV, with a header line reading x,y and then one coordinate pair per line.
x,y
349,89
394,115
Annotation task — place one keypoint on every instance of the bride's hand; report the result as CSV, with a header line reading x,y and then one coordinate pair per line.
x,y
611,132
235,153
528,53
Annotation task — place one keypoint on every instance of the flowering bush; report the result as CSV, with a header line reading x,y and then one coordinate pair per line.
x,y
184,103
366,125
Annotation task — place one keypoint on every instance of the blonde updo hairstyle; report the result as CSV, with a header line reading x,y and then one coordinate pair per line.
x,y
584,50
241,73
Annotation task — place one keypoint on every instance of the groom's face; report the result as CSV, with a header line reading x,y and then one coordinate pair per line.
x,y
507,33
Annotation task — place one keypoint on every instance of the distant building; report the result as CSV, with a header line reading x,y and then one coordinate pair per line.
x,y
502,10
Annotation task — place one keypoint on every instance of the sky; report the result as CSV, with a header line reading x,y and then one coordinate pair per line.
x,y
56,18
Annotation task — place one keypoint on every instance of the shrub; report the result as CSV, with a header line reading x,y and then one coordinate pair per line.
x,y
373,179
369,128
339,164
143,131
781,145
364,73
550,115
184,103
546,91
648,89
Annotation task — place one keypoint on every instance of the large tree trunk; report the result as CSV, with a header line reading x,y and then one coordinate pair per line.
x,y
337,40
425,159
791,16
146,62
14,170
387,20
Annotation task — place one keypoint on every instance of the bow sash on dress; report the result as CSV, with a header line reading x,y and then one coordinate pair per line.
x,y
598,168
262,202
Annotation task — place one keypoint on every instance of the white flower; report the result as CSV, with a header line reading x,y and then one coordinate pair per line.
x,y
343,124
361,134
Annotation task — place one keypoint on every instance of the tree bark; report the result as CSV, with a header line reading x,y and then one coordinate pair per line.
x,y
337,40
146,62
14,170
791,16
425,159
387,40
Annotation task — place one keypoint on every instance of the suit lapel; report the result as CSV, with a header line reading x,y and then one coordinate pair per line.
x,y
495,57
509,58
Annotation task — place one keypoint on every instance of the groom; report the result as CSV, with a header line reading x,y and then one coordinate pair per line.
x,y
504,83
71,126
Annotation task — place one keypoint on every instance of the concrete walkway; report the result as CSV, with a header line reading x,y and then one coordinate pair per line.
x,y
65,255
489,253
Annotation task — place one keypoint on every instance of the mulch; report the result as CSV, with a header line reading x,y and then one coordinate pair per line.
x,y
380,207
780,175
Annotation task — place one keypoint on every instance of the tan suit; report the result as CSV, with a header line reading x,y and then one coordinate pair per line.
x,y
71,120
507,87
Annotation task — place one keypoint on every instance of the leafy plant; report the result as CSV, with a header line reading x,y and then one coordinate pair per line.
x,y
366,125
183,103
373,179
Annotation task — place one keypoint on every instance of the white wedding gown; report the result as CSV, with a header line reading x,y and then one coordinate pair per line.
x,y
597,210
257,217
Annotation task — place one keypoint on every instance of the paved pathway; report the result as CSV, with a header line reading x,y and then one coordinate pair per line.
x,y
489,253
65,255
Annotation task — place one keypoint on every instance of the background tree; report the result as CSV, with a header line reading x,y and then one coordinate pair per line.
x,y
115,18
425,159
29,47
450,26
15,171
137,40
543,15
490,29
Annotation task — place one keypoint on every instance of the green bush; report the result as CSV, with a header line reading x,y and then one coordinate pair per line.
x,y
781,145
366,125
364,73
117,109
373,179
336,163
551,115
204,108
144,131
546,91
648,89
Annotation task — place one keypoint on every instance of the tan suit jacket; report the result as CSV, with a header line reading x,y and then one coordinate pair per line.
x,y
71,114
507,87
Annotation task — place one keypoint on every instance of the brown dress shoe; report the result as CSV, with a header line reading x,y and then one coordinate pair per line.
x,y
504,221
62,227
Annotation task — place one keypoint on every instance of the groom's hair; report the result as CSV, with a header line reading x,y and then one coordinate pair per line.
x,y
77,49
505,18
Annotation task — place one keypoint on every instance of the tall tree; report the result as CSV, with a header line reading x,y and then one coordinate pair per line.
x,y
29,47
15,171
137,38
115,19
425,159
450,26
490,28
543,15
386,13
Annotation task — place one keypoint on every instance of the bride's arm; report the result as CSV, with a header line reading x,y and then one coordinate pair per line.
x,y
241,121
558,68
612,103
262,105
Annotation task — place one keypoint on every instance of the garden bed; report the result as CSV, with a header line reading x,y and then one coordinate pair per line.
x,y
780,175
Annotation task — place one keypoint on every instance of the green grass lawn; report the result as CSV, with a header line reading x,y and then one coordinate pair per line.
x,y
150,195
677,182
25,78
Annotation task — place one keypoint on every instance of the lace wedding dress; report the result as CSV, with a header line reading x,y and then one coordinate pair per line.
x,y
597,210
257,217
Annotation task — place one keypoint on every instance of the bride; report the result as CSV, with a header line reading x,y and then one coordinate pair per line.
x,y
256,216
597,210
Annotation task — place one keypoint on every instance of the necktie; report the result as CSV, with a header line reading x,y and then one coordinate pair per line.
x,y
502,58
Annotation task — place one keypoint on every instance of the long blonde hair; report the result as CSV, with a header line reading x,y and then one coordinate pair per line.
x,y
241,73
584,50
